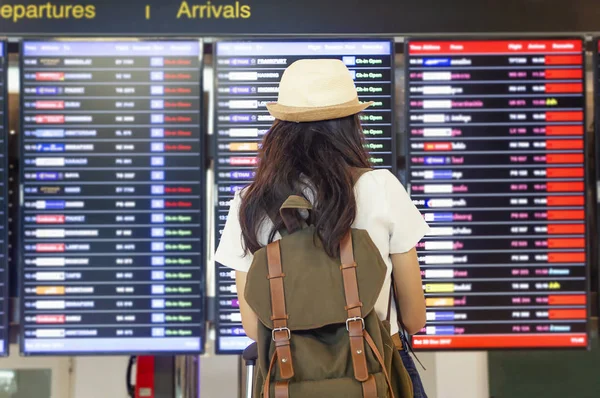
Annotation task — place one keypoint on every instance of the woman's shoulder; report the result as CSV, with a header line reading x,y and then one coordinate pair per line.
x,y
379,178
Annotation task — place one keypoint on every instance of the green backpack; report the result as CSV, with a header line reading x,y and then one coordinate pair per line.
x,y
318,334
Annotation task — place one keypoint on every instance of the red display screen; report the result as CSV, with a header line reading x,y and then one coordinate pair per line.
x,y
496,164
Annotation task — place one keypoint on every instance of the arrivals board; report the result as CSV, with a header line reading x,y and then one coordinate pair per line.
x,y
112,197
247,77
497,166
4,293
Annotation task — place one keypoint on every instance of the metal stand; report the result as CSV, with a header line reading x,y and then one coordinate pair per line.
x,y
164,377
187,377
250,356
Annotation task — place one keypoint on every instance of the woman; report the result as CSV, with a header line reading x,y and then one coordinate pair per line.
x,y
314,148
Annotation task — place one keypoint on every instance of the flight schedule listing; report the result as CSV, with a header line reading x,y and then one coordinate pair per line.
x,y
247,78
112,248
3,206
496,142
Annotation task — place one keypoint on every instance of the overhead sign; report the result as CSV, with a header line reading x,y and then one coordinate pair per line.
x,y
260,17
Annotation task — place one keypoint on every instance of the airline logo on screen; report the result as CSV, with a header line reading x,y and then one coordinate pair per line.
x,y
185,10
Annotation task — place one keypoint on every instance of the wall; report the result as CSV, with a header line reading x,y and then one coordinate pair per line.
x,y
428,374
219,377
99,377
455,374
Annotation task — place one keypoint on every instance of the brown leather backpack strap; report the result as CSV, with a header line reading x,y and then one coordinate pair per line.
x,y
379,357
355,323
369,387
281,333
388,316
267,384
282,389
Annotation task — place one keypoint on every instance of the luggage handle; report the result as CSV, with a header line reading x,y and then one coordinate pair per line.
x,y
250,354
289,214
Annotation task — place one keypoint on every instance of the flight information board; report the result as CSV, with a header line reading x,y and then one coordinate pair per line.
x,y
497,166
112,197
247,77
4,336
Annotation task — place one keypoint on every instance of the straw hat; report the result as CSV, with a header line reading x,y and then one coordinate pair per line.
x,y
312,90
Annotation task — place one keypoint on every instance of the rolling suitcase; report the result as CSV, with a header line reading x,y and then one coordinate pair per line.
x,y
250,356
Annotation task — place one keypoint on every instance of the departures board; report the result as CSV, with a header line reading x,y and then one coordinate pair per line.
x,y
247,76
4,291
496,141
112,197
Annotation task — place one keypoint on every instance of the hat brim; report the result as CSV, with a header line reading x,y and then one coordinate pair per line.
x,y
317,114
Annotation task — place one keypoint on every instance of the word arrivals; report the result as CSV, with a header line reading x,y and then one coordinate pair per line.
x,y
209,10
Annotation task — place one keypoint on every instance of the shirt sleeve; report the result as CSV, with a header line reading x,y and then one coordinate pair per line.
x,y
230,252
406,224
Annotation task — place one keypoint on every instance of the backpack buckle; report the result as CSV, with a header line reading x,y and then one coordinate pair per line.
x,y
289,333
356,318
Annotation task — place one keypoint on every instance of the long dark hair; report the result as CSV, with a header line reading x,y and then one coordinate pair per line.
x,y
317,157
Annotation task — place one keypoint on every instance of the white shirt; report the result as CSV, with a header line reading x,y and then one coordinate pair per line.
x,y
384,209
